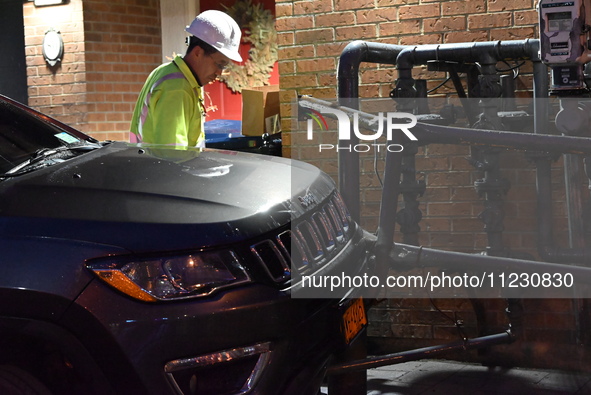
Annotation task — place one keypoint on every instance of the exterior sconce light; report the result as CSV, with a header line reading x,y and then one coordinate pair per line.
x,y
53,47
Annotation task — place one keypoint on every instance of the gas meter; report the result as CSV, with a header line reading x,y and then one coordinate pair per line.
x,y
562,24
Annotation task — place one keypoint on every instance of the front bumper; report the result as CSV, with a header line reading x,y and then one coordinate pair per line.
x,y
170,346
253,338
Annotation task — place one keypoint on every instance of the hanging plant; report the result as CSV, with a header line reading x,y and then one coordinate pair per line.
x,y
258,26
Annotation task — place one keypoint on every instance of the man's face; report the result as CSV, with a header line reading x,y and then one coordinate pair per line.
x,y
207,67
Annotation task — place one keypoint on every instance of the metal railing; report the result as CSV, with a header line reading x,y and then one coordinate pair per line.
x,y
492,140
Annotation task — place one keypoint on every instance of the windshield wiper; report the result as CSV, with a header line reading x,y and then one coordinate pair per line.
x,y
46,157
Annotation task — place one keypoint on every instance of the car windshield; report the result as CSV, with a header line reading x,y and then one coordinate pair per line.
x,y
23,135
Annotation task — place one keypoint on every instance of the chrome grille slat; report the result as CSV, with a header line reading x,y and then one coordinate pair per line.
x,y
266,251
325,229
309,235
309,245
336,221
342,210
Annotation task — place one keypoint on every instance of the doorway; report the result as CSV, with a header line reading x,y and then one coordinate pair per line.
x,y
13,70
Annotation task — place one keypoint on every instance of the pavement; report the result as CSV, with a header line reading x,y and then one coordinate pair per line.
x,y
459,378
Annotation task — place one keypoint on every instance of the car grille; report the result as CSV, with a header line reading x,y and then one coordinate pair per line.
x,y
309,244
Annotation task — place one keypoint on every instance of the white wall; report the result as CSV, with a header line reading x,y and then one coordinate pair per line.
x,y
175,16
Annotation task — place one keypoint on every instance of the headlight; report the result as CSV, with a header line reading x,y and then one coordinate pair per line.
x,y
173,277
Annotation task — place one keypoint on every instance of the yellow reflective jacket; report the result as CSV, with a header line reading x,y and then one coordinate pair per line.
x,y
170,108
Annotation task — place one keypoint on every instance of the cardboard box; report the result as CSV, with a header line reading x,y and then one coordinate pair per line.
x,y
260,110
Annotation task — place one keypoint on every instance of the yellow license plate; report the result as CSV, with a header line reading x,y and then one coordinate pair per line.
x,y
354,319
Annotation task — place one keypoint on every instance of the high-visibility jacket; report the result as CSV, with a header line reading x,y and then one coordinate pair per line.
x,y
170,108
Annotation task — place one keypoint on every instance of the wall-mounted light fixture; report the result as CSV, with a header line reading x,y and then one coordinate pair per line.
x,y
53,47
41,3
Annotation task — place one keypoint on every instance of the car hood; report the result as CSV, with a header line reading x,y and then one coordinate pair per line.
x,y
155,198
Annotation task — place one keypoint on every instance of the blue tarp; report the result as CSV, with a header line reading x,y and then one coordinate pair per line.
x,y
220,130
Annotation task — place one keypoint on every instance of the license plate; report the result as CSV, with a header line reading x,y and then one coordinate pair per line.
x,y
354,319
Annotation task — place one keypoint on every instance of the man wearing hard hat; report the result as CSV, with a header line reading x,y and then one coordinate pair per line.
x,y
170,108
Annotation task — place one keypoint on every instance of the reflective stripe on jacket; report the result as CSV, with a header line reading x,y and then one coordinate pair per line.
x,y
170,108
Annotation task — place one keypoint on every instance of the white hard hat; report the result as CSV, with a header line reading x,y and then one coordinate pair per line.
x,y
219,30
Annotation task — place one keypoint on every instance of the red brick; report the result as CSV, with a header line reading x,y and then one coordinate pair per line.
x,y
402,27
330,49
315,65
437,194
452,241
529,17
283,9
368,90
463,193
421,40
512,34
294,23
286,67
466,225
314,36
436,225
356,32
285,39
298,52
300,81
390,3
489,21
419,11
342,5
335,19
505,5
458,37
377,15
449,210
328,80
307,7
444,24
463,7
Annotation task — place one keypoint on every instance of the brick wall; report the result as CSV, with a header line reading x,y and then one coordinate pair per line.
x,y
59,91
311,35
123,45
109,49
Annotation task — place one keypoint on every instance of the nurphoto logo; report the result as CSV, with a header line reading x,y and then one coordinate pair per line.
x,y
390,121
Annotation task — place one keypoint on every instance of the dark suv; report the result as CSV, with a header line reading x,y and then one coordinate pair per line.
x,y
143,269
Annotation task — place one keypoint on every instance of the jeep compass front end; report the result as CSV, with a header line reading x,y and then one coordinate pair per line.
x,y
144,269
